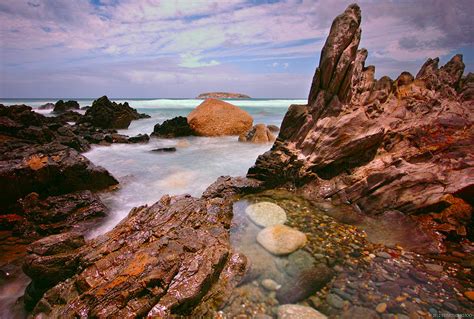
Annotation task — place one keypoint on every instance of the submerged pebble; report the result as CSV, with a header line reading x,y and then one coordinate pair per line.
x,y
266,214
298,312
281,240
270,284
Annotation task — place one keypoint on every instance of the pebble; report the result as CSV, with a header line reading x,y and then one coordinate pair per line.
x,y
342,294
270,284
281,239
266,214
383,254
434,267
381,307
335,301
290,311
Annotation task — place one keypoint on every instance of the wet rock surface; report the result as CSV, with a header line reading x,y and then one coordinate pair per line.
x,y
161,260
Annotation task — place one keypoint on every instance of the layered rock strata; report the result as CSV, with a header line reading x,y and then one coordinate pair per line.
x,y
380,145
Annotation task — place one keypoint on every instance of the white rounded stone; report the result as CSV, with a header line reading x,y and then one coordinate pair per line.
x,y
266,214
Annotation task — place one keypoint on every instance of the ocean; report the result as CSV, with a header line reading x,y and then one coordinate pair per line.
x,y
146,176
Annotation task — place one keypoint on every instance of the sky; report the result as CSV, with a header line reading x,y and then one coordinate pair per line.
x,y
151,48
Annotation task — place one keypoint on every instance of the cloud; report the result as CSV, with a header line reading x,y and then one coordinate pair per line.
x,y
193,60
39,36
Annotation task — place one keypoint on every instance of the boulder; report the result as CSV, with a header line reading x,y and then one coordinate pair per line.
x,y
214,118
266,214
260,133
174,127
107,114
61,106
290,311
169,259
281,239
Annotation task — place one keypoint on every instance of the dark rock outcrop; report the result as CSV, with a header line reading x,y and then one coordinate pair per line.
x,y
56,214
49,169
172,258
107,114
62,106
69,116
164,150
175,127
20,126
379,145
46,106
260,133
140,138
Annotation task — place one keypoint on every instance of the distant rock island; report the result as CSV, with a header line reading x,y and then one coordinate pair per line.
x,y
222,95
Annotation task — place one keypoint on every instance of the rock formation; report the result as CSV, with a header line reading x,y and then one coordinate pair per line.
x,y
172,258
380,145
260,133
107,114
62,106
45,182
222,95
175,127
214,118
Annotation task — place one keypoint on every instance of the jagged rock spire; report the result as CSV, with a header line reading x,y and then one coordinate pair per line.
x,y
337,56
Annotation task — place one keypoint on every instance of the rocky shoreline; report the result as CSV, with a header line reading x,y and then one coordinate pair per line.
x,y
362,171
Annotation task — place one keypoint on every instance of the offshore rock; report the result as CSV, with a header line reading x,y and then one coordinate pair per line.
x,y
175,127
379,145
222,95
172,258
61,106
107,114
215,118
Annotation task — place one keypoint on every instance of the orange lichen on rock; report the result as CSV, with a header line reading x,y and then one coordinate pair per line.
x,y
36,162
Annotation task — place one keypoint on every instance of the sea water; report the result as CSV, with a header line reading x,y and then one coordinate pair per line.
x,y
145,176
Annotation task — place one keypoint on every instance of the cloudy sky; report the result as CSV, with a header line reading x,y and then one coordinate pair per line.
x,y
152,48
